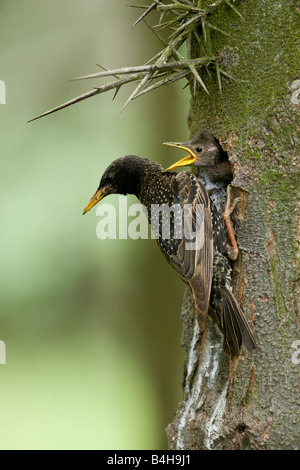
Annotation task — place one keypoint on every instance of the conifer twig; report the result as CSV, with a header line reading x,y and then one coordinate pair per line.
x,y
183,19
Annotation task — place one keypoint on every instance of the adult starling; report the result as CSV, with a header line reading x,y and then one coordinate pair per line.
x,y
214,170
185,193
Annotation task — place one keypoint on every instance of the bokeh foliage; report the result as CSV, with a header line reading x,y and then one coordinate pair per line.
x,y
92,327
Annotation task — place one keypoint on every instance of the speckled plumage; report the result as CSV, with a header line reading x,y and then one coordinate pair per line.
x,y
213,169
206,268
153,186
194,266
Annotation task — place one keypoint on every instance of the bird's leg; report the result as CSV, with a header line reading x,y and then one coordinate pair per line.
x,y
233,250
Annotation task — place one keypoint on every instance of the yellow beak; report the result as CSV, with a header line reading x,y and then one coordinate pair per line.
x,y
189,160
99,194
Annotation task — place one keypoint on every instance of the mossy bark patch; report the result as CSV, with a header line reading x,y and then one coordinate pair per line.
x,y
253,402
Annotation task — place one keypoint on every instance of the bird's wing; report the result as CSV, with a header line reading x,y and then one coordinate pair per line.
x,y
191,254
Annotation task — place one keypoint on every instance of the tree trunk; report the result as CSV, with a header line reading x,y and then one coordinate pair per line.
x,y
252,402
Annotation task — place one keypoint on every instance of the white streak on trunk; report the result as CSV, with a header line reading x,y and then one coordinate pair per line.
x,y
197,390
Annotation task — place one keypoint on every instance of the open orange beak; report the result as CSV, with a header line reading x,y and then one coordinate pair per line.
x,y
189,160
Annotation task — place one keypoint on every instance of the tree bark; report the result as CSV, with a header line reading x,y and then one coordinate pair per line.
x,y
251,402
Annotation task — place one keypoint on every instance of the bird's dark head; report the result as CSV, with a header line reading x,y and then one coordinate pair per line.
x,y
122,176
204,152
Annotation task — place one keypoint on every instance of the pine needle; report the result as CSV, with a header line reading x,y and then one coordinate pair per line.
x,y
145,14
182,19
218,29
84,96
235,10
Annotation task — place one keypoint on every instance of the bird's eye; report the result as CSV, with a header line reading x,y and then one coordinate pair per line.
x,y
199,149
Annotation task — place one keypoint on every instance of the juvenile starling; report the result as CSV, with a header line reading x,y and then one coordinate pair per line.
x,y
213,168
154,187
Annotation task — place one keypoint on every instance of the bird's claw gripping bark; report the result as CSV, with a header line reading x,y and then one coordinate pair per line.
x,y
233,249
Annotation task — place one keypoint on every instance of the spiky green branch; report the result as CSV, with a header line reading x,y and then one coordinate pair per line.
x,y
183,20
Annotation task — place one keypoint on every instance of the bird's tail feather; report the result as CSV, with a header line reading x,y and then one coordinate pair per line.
x,y
232,322
201,294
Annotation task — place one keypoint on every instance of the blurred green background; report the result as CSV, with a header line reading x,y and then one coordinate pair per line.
x,y
92,328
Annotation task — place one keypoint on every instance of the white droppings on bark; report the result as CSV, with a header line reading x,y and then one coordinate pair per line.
x,y
206,378
295,86
214,424
188,408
